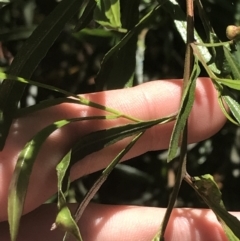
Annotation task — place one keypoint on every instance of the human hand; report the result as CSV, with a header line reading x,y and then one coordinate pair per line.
x,y
99,222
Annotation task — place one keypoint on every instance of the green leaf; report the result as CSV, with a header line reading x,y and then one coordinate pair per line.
x,y
62,169
232,63
234,84
96,186
233,105
209,192
185,109
98,140
23,169
108,14
64,217
66,222
82,100
86,16
118,65
28,58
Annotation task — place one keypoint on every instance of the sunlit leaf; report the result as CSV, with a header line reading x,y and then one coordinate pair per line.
x,y
225,111
28,58
108,14
208,190
65,220
234,84
185,109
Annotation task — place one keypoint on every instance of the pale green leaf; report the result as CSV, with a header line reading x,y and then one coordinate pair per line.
x,y
65,220
108,14
234,84
225,111
64,217
233,105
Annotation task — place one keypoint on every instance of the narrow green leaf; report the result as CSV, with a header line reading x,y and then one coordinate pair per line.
x,y
64,217
233,105
123,56
98,140
65,220
86,16
225,111
82,100
234,84
62,169
232,62
23,169
185,109
108,14
28,58
208,190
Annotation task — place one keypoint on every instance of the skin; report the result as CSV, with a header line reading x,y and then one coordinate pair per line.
x,y
102,222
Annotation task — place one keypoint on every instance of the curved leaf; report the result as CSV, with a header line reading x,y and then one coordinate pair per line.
x,y
108,14
23,169
234,84
64,217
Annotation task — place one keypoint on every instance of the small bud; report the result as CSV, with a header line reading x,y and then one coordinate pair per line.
x,y
233,32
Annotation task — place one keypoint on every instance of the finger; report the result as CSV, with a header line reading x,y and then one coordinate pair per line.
x,y
148,101
123,223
